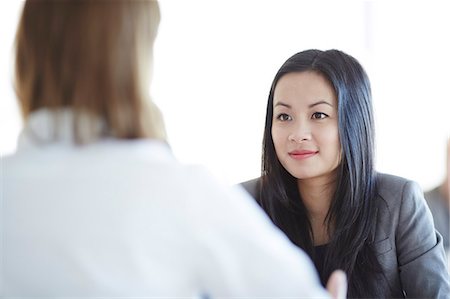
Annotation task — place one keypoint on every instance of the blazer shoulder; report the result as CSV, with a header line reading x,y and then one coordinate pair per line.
x,y
399,201
405,224
393,188
252,187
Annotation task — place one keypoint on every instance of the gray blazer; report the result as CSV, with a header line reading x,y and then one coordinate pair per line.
x,y
408,247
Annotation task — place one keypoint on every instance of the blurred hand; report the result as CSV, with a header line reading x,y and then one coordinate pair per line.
x,y
337,285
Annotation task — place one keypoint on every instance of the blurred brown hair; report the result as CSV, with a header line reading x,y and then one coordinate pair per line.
x,y
93,57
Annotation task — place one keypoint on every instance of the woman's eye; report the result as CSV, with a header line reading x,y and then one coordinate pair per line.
x,y
319,115
283,117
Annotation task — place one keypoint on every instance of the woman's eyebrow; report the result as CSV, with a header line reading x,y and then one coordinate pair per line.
x,y
320,102
279,103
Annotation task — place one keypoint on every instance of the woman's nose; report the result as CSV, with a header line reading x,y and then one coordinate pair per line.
x,y
301,134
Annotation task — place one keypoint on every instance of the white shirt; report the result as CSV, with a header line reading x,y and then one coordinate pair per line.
x,y
125,219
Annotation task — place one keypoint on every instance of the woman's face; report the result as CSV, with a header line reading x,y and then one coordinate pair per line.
x,y
305,125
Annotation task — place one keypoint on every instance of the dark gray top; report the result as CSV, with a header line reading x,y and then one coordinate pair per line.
x,y
441,213
409,249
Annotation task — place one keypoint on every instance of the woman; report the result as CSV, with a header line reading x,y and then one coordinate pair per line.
x,y
319,185
93,202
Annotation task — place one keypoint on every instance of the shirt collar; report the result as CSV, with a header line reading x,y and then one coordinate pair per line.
x,y
56,127
46,126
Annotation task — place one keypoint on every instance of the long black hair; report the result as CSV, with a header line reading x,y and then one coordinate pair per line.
x,y
352,213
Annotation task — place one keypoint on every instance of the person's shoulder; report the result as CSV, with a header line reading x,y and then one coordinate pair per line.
x,y
390,179
252,186
389,184
394,189
8,159
433,195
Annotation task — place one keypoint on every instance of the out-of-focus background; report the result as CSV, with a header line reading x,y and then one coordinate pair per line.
x,y
215,61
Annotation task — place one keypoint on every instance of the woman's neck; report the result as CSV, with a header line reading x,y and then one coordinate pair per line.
x,y
317,194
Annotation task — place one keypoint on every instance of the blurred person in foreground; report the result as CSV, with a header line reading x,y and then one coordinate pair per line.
x,y
93,202
438,200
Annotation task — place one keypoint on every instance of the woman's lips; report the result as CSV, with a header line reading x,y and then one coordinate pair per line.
x,y
302,154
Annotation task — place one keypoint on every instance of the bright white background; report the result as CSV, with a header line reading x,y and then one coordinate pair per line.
x,y
215,61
